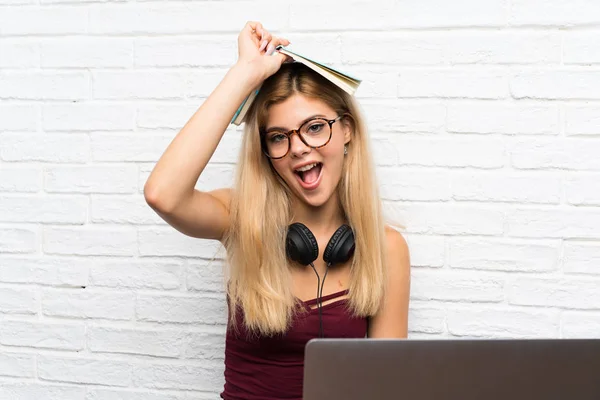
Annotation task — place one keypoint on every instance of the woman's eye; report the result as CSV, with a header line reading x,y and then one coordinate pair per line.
x,y
277,137
315,128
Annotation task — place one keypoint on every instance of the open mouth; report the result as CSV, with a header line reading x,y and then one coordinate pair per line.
x,y
309,174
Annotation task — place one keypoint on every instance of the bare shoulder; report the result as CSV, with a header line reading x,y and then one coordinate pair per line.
x,y
397,246
224,196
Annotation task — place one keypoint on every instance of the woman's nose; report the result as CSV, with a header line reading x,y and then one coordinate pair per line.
x,y
297,146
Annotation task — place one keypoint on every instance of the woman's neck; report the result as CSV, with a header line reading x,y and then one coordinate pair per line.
x,y
320,220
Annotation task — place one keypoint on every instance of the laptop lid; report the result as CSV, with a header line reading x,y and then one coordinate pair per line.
x,y
470,369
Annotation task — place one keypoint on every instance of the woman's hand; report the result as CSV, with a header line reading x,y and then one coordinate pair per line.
x,y
256,47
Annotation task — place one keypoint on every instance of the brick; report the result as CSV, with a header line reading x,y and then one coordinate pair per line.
x,y
428,117
200,84
501,254
582,189
177,376
503,118
554,223
581,257
209,344
123,210
44,271
17,365
181,309
90,241
503,323
399,183
25,179
176,52
565,293
165,115
452,83
456,286
571,154
170,242
378,82
84,370
554,12
19,54
87,52
44,335
205,276
88,303
582,119
145,147
385,152
95,393
31,390
18,240
21,300
43,21
46,209
45,85
580,325
149,342
91,179
19,117
426,251
59,148
581,47
500,186
140,274
427,320
555,84
88,116
139,84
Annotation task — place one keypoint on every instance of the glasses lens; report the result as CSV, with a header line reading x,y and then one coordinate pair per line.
x,y
276,144
316,132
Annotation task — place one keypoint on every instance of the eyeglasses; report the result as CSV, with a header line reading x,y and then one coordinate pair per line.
x,y
314,133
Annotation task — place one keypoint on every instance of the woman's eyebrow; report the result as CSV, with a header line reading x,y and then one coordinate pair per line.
x,y
278,128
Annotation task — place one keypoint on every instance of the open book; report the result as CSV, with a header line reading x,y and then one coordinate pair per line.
x,y
344,81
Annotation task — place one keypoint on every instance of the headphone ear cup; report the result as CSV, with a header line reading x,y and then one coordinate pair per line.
x,y
301,245
340,247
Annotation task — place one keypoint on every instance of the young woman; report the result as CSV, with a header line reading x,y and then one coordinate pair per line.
x,y
305,207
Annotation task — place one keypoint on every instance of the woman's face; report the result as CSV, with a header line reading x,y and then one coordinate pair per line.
x,y
315,185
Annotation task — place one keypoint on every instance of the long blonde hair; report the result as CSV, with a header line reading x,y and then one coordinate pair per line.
x,y
259,277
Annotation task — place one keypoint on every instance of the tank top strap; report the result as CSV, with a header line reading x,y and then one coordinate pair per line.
x,y
328,297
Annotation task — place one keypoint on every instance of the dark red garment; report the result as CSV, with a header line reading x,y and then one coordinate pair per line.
x,y
270,368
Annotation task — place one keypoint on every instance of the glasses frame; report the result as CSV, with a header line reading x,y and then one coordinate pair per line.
x,y
289,134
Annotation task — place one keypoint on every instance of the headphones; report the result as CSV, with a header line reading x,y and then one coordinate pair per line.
x,y
301,246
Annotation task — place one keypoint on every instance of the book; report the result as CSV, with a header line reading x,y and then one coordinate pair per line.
x,y
345,81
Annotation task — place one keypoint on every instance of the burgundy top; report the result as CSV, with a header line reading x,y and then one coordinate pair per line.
x,y
269,368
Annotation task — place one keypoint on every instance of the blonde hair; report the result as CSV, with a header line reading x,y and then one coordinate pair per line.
x,y
259,277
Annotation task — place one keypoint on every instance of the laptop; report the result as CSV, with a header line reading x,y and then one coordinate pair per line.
x,y
464,369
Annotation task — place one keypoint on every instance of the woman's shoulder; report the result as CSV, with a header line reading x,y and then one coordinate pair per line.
x,y
397,246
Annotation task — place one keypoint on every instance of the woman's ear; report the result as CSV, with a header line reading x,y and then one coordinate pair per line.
x,y
348,128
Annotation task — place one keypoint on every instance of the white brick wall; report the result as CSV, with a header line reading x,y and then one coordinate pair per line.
x,y
485,119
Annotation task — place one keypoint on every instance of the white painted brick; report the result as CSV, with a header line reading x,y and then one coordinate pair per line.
x,y
427,117
414,184
88,116
572,154
17,365
46,335
444,151
129,147
502,254
216,176
456,286
427,320
184,51
554,223
169,242
503,118
181,309
583,189
44,85
32,390
581,47
138,273
455,48
447,219
139,84
582,119
426,251
150,342
165,115
95,393
84,370
491,186
19,117
581,257
20,179
87,52
453,83
18,240
385,151
43,20
503,323
206,345
389,15
322,46
92,179
67,272
89,241
580,325
555,84
183,17
377,82
174,376
567,293
554,12
21,300
19,54
46,209
122,210
88,303
228,149
205,276
60,148
202,83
